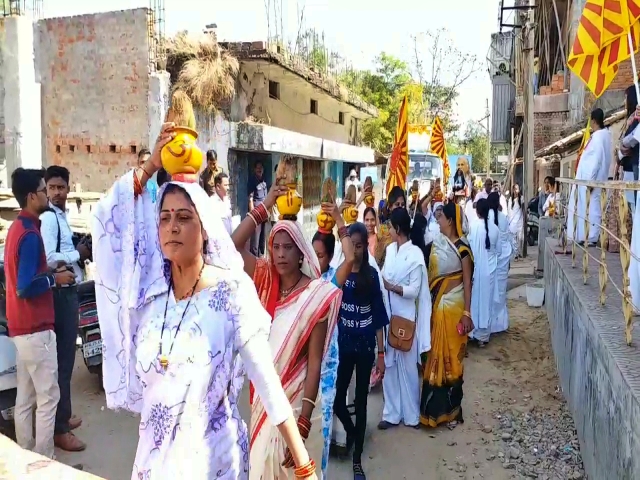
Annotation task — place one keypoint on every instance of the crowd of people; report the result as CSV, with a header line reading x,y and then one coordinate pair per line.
x,y
190,303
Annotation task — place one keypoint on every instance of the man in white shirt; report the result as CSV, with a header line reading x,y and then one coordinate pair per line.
x,y
352,179
220,199
60,251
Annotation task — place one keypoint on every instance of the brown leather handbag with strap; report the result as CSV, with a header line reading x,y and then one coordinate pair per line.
x,y
401,331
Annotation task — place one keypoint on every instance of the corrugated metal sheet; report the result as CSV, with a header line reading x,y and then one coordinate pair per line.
x,y
503,106
501,53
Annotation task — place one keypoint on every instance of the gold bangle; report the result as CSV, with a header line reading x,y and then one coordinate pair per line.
x,y
308,400
465,313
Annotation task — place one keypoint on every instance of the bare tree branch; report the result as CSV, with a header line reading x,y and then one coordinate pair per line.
x,y
450,69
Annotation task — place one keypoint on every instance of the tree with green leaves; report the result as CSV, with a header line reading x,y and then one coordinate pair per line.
x,y
474,142
384,88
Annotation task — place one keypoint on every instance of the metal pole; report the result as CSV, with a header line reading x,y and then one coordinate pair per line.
x,y
529,161
560,41
488,118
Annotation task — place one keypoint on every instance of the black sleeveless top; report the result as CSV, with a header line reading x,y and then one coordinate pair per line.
x,y
630,160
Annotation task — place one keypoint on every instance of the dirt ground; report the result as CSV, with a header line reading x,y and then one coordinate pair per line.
x,y
515,371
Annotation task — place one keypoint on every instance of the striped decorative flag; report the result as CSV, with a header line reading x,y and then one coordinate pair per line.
x,y
399,160
601,42
586,136
439,147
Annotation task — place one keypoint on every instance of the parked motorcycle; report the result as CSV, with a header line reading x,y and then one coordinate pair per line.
x,y
89,328
8,375
533,221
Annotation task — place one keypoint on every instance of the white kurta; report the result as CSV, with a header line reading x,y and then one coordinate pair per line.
x,y
634,266
501,312
515,216
405,266
470,212
594,165
485,268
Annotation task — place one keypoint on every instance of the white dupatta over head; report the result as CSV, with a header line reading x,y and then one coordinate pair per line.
x,y
398,272
131,279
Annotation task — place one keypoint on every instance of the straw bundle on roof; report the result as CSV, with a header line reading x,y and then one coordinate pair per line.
x,y
207,73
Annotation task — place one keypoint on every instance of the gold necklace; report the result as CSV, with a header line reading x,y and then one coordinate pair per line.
x,y
284,293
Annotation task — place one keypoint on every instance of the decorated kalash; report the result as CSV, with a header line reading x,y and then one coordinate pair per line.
x,y
369,197
414,192
181,157
290,203
348,206
324,220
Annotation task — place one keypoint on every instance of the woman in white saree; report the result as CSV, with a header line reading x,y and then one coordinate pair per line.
x,y
501,320
484,240
179,322
405,278
515,215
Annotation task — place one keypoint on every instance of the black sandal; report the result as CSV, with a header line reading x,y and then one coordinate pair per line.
x,y
358,472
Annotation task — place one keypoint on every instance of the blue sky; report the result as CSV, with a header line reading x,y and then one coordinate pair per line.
x,y
359,29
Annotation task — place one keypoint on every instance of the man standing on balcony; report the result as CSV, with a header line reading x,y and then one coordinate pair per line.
x,y
594,166
61,252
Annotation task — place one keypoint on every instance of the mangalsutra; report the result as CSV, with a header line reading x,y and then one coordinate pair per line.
x,y
164,359
284,293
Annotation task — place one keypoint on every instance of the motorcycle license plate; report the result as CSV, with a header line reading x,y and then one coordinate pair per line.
x,y
7,414
91,349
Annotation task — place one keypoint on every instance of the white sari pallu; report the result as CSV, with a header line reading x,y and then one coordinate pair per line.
x,y
405,266
294,318
190,424
594,165
485,273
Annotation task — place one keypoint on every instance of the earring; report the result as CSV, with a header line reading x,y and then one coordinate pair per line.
x,y
300,261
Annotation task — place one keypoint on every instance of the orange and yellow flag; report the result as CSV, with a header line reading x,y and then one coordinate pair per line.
x,y
586,136
601,42
399,160
439,147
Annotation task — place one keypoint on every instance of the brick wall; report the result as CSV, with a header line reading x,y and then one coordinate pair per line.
x,y
548,128
94,71
624,78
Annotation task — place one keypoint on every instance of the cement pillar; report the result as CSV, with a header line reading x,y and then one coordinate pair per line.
x,y
22,107
159,87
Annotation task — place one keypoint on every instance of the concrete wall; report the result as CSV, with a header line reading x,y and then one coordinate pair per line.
x,y
598,371
94,71
291,111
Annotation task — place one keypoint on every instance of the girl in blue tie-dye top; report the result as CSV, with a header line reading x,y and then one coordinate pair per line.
x,y
324,246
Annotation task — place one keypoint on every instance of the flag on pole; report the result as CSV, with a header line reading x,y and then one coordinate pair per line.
x,y
601,42
586,136
439,147
399,160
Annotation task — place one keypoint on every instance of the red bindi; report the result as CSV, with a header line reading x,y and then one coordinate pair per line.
x,y
172,210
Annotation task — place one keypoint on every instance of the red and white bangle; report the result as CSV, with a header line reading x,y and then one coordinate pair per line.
x,y
259,214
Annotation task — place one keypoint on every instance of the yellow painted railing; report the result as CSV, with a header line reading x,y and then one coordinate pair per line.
x,y
612,194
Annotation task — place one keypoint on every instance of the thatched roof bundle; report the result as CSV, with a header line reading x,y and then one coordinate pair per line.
x,y
202,69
